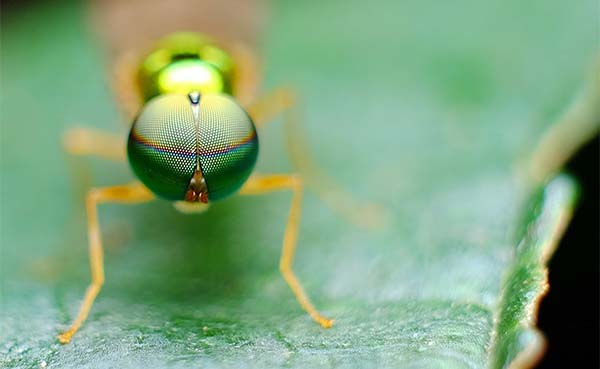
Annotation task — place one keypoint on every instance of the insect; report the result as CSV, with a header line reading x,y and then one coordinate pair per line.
x,y
191,143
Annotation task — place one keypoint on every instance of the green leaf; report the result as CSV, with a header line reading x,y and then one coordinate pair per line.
x,y
433,109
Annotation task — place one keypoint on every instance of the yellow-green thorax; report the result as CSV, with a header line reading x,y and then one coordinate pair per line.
x,y
185,62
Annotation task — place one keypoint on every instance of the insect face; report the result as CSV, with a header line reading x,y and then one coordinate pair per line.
x,y
193,148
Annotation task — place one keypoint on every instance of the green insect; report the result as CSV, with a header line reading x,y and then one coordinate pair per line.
x,y
191,143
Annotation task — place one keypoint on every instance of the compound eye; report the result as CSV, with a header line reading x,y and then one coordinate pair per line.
x,y
228,145
162,146
207,146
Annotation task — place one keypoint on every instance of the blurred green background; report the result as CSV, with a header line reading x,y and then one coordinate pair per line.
x,y
433,109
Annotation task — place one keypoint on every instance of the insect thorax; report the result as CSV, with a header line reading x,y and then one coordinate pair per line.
x,y
184,62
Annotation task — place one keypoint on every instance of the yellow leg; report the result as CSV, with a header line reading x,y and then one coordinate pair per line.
x,y
131,193
265,184
265,109
125,85
90,142
247,74
282,101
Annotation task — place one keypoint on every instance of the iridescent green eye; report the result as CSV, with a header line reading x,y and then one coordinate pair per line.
x,y
173,137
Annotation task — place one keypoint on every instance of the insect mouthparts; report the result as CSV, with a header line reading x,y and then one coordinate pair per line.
x,y
197,190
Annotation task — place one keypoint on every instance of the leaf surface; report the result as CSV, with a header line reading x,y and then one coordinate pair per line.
x,y
432,109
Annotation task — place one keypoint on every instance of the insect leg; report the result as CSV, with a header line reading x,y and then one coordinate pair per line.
x,y
91,142
247,74
269,106
125,85
258,185
284,101
130,193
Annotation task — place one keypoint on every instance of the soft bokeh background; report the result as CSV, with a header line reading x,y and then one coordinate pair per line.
x,y
433,109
